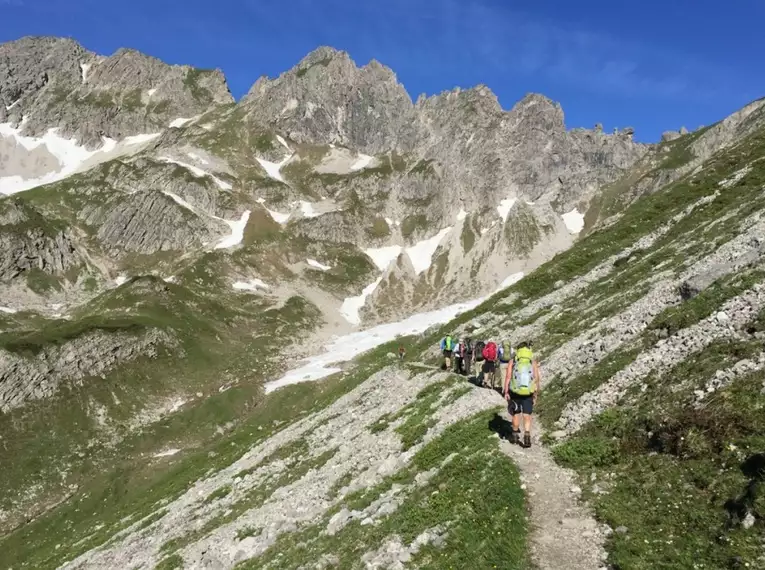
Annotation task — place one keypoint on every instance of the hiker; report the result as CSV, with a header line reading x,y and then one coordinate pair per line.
x,y
459,356
478,361
522,385
463,357
505,355
490,365
401,352
447,348
467,356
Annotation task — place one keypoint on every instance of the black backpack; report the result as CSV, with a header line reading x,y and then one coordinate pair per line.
x,y
479,346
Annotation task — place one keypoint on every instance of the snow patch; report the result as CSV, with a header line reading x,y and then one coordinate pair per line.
x,y
362,162
140,139
384,256
170,279
85,67
251,285
121,278
237,226
151,92
8,310
278,217
273,168
198,172
237,231
180,201
12,105
167,453
511,280
195,156
70,154
315,264
461,215
307,209
389,221
347,347
180,121
283,142
574,221
504,208
352,305
421,253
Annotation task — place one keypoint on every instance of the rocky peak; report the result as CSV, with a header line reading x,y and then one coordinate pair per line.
x,y
56,83
536,111
328,99
322,55
29,64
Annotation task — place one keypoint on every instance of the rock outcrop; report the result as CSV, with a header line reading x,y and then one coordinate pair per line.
x,y
25,378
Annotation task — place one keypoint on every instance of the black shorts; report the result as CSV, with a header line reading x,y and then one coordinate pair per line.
x,y
520,404
488,366
447,353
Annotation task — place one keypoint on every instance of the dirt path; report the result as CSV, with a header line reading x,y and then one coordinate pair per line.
x,y
563,532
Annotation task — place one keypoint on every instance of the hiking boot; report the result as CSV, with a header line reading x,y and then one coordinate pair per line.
x,y
516,438
526,440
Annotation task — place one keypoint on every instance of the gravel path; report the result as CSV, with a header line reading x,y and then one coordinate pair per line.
x,y
563,532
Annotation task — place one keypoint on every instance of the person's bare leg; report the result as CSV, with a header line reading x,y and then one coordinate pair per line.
x,y
526,430
516,437
516,422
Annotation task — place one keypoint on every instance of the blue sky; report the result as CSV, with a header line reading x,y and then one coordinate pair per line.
x,y
653,65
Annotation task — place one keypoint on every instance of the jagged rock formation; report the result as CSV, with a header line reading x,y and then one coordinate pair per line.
x,y
56,83
28,242
24,378
327,99
33,249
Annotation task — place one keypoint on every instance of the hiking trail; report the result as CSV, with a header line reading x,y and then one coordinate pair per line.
x,y
562,531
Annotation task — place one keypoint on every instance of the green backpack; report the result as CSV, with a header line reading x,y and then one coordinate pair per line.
x,y
522,382
449,344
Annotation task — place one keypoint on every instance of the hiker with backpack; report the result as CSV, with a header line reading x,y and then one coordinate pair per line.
x,y
447,349
478,361
489,367
522,385
459,353
467,356
506,353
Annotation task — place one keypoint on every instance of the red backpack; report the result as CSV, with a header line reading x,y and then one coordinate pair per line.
x,y
490,351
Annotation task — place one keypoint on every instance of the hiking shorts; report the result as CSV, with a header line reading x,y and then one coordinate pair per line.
x,y
520,404
447,353
488,367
